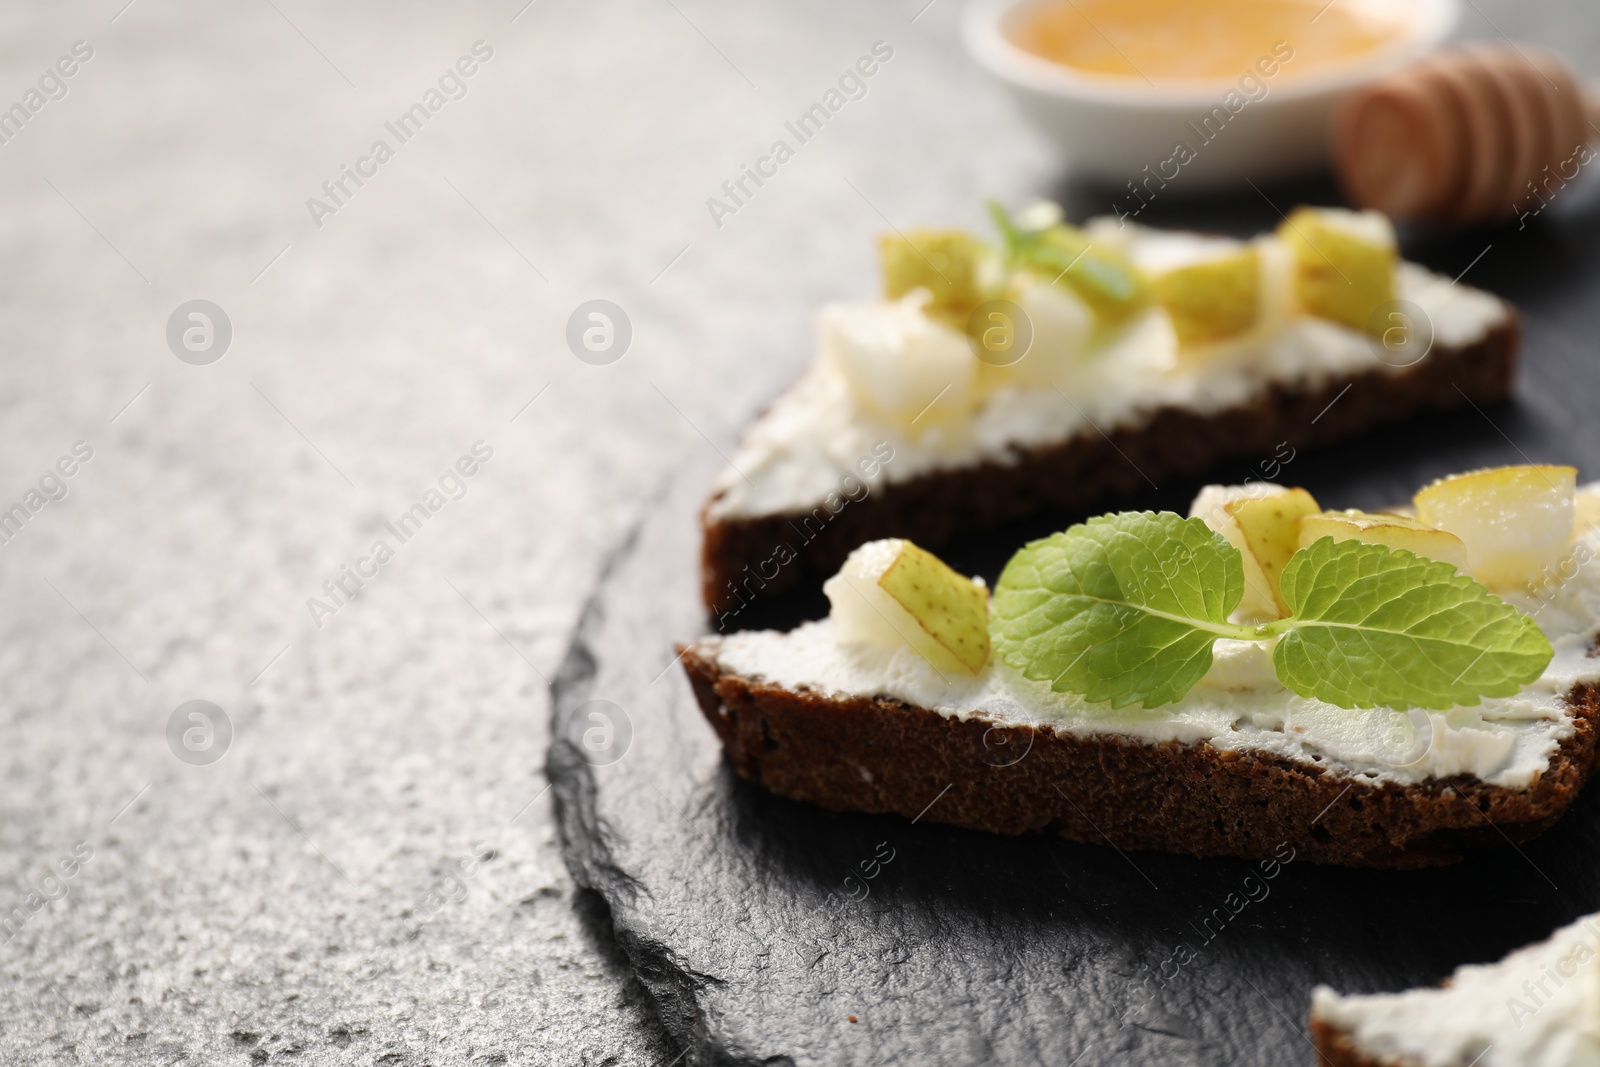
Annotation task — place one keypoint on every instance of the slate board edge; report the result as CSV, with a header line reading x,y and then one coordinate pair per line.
x,y
672,989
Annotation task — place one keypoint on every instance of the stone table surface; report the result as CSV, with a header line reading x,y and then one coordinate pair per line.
x,y
351,857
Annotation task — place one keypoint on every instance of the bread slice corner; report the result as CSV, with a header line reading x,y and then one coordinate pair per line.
x,y
1338,1049
1536,1005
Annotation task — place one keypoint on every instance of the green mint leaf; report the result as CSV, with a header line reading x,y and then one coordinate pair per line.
x,y
1122,609
1012,236
1114,290
1371,626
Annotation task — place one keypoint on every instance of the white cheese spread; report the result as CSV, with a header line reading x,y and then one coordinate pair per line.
x,y
1538,1007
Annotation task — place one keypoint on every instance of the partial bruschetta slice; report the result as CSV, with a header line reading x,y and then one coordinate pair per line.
x,y
1538,1007
1156,682
1065,365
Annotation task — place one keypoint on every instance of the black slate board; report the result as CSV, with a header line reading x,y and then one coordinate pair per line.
x,y
761,926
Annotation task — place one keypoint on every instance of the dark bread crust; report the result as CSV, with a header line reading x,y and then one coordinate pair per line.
x,y
878,755
1338,1050
1075,475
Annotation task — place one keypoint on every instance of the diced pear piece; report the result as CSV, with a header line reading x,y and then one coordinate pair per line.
x,y
1212,300
1039,215
892,593
1242,667
1102,277
1278,300
1271,529
1061,324
949,264
901,365
1588,508
1212,506
948,607
1516,521
1344,262
1391,531
1210,286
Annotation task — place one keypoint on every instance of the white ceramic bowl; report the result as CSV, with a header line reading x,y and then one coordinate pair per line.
x,y
1112,128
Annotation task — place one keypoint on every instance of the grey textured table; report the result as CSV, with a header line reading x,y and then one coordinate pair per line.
x,y
370,872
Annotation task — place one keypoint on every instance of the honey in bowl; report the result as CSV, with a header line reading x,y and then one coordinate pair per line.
x,y
1203,40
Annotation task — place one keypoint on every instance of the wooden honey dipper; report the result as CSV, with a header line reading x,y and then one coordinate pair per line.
x,y
1472,135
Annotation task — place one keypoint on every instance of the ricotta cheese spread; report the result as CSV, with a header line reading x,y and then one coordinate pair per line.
x,y
1239,705
1538,1007
816,434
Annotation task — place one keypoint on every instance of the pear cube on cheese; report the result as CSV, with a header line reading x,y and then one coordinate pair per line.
x,y
891,593
1061,324
949,264
1215,505
1515,521
1271,529
900,365
1344,263
1210,286
1391,531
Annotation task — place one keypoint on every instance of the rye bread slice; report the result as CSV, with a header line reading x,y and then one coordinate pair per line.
x,y
871,754
738,553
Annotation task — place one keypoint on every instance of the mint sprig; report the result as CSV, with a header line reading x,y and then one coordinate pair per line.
x,y
1064,255
1124,609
